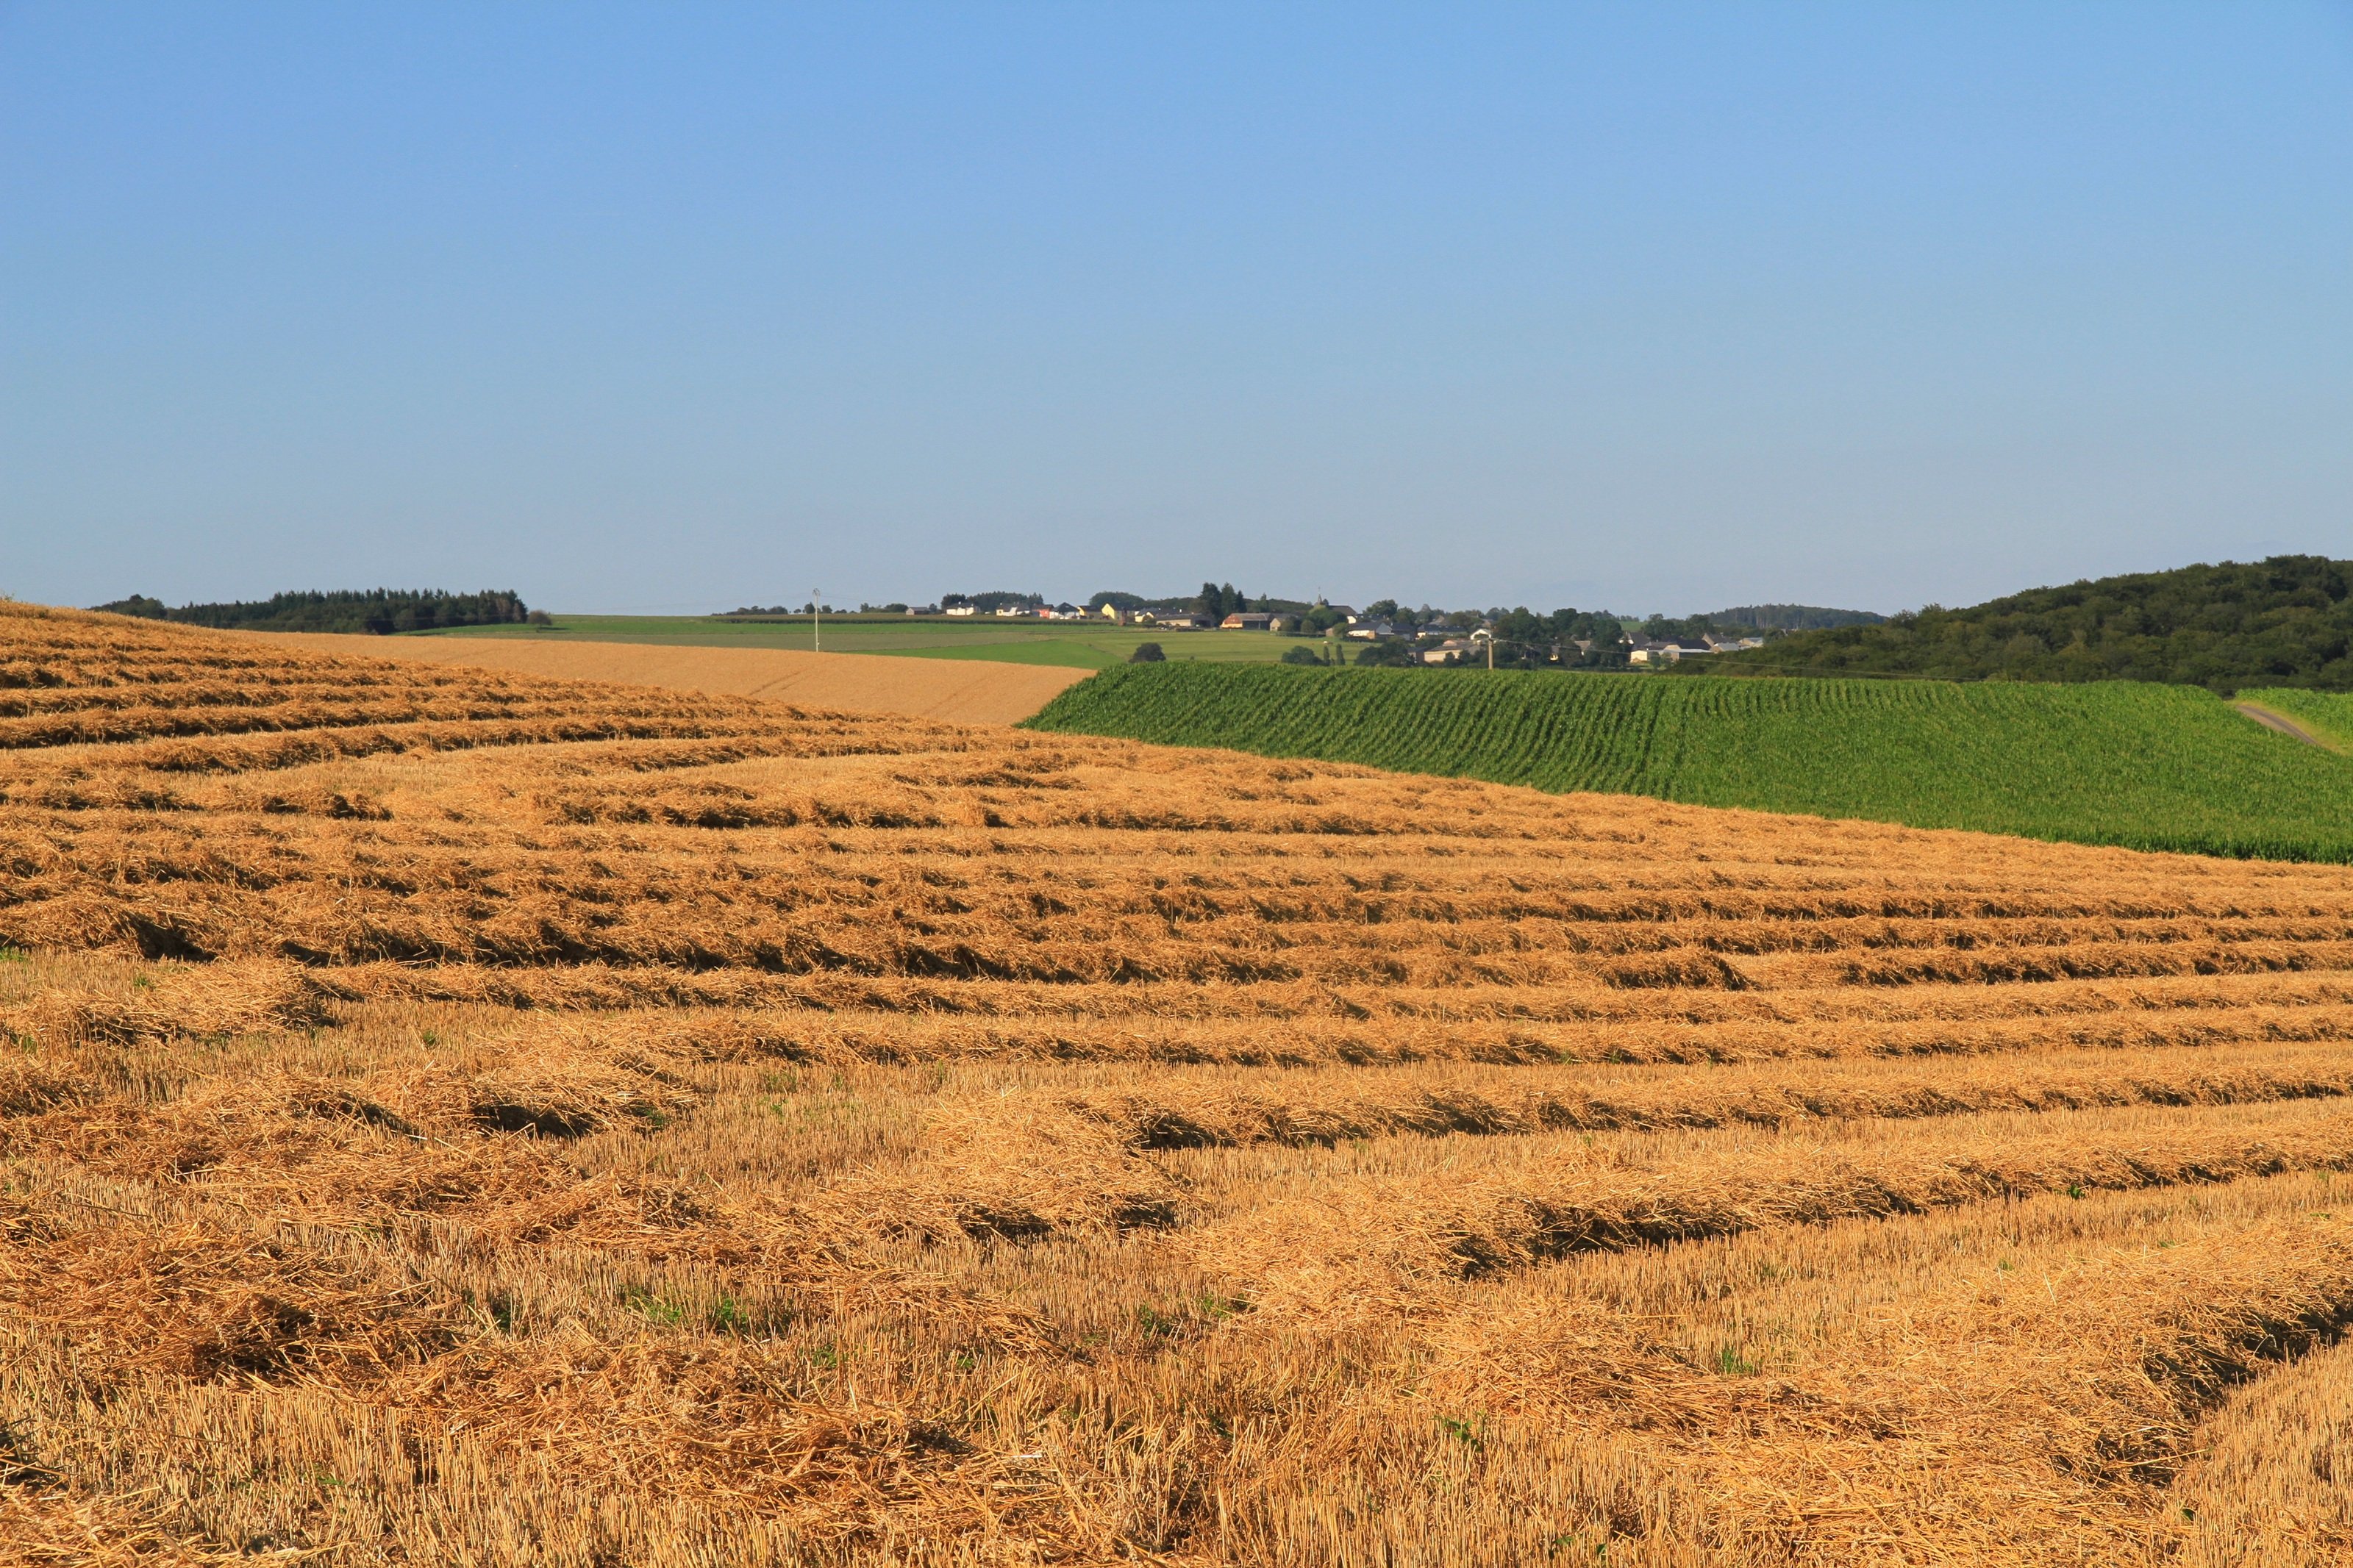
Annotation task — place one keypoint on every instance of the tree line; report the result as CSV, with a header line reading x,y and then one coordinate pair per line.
x,y
2284,621
380,610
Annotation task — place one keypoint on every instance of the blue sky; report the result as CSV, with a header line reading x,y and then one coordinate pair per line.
x,y
1643,307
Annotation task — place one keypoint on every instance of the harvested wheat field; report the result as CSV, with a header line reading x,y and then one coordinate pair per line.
x,y
453,1116
963,690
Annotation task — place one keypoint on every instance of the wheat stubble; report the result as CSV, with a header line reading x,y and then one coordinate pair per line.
x,y
452,1115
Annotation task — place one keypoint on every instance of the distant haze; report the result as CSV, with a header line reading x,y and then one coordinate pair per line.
x,y
1644,307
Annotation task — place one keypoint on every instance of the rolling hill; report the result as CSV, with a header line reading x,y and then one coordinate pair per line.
x,y
966,691
453,1115
2284,621
2145,765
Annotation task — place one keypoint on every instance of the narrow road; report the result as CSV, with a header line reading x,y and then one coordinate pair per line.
x,y
2282,722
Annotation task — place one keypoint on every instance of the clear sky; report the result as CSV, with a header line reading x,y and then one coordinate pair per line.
x,y
1639,306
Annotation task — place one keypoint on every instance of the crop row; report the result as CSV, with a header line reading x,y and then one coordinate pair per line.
x,y
2148,766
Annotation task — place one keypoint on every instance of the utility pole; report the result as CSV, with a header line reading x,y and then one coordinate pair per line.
x,y
816,638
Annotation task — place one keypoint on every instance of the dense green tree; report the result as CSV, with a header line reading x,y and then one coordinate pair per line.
x,y
1688,629
2286,621
1218,602
1749,619
990,603
138,605
379,610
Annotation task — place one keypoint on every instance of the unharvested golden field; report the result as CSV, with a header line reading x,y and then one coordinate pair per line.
x,y
455,1116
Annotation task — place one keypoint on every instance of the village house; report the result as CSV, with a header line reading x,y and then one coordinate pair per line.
x,y
964,609
1247,621
1453,651
1650,651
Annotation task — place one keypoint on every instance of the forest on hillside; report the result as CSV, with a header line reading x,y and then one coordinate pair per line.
x,y
2284,621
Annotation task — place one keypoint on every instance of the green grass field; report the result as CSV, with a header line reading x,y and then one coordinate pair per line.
x,y
2147,766
1074,643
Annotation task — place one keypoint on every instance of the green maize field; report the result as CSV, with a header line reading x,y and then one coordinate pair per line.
x,y
2141,765
2328,714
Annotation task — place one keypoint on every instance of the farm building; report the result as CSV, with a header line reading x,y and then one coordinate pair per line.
x,y
1648,651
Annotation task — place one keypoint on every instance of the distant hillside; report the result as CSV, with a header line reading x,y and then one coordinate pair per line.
x,y
1787,617
2286,621
382,611
2150,767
